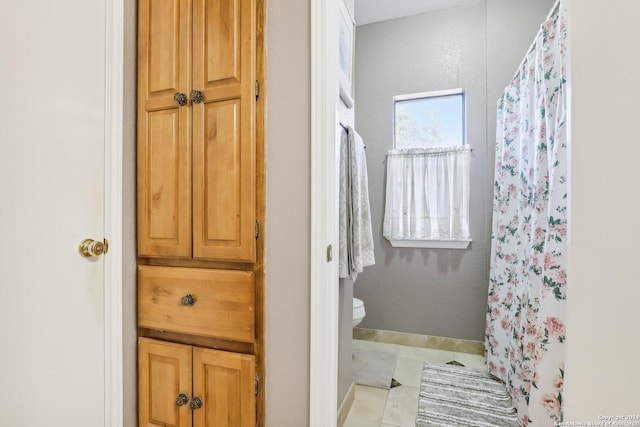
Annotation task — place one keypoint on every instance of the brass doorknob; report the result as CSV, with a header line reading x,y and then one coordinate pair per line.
x,y
90,247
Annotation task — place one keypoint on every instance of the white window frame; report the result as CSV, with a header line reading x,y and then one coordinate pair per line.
x,y
433,94
432,243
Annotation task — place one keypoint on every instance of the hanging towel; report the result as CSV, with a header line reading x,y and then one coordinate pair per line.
x,y
356,238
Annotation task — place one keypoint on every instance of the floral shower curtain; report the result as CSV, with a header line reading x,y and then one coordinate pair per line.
x,y
525,330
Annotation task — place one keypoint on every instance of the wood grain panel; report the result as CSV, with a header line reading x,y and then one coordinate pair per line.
x,y
224,132
260,208
224,183
164,211
225,383
164,129
163,196
215,46
198,341
222,40
164,43
217,42
222,168
165,371
224,140
224,302
197,263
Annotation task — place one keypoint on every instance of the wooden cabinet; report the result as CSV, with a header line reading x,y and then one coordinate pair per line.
x,y
197,161
200,177
203,302
186,386
164,128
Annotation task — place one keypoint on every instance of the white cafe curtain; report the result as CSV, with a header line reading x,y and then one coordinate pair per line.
x,y
427,194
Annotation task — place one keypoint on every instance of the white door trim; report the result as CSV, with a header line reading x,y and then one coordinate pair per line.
x,y
113,130
324,215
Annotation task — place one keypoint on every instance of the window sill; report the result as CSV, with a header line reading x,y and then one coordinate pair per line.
x,y
430,244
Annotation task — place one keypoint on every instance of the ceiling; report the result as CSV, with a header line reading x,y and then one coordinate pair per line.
x,y
368,11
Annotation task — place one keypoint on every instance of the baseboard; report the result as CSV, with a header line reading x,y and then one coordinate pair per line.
x,y
415,340
345,406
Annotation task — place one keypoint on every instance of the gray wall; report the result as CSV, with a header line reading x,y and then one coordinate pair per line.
x,y
129,293
437,291
345,335
288,142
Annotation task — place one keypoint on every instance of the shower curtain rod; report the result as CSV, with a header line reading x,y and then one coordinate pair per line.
x,y
555,7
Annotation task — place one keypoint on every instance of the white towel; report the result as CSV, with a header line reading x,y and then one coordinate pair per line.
x,y
356,238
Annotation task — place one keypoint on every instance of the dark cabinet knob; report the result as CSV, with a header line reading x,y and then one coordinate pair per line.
x,y
187,300
180,98
196,96
196,403
182,399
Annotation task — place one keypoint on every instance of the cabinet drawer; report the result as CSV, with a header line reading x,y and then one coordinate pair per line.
x,y
211,303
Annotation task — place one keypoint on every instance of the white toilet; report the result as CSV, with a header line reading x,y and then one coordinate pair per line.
x,y
358,311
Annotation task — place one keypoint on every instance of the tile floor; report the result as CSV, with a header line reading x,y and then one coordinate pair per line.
x,y
398,407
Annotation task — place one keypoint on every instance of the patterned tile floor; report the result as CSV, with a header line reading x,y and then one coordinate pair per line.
x,y
376,407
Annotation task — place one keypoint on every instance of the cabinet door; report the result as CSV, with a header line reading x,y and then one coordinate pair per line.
x,y
164,176
164,371
224,151
225,383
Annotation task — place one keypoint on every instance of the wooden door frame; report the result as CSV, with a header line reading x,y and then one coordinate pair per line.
x,y
324,215
113,208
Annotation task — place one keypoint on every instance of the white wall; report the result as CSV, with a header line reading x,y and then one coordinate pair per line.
x,y
603,336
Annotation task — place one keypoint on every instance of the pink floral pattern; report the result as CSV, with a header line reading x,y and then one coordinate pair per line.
x,y
525,330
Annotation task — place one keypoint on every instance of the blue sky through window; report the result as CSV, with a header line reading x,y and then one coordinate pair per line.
x,y
427,122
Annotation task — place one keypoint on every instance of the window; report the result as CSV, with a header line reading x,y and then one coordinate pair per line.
x,y
427,193
429,119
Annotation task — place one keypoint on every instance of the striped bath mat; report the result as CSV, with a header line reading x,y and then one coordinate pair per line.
x,y
456,396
